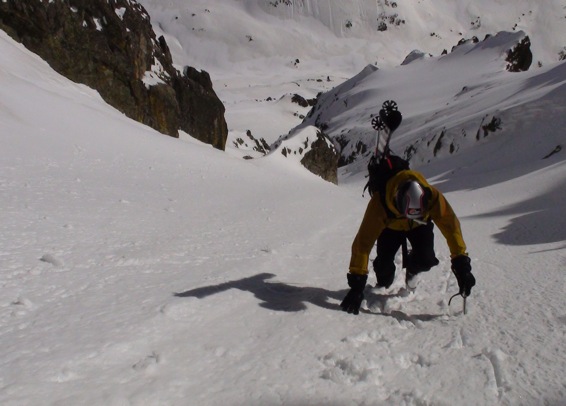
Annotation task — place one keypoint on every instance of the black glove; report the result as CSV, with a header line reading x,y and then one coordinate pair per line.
x,y
353,299
463,271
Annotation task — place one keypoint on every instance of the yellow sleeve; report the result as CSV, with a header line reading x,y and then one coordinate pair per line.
x,y
448,224
372,225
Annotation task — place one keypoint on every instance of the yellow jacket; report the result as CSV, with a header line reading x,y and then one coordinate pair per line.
x,y
376,220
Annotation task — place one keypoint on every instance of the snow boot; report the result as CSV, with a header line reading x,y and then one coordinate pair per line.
x,y
411,280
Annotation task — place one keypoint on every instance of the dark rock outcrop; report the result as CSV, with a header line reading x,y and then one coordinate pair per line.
x,y
110,46
322,159
520,57
313,149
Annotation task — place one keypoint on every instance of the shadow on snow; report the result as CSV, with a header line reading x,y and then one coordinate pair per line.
x,y
273,295
283,297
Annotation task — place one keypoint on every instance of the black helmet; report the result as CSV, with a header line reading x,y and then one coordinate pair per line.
x,y
412,200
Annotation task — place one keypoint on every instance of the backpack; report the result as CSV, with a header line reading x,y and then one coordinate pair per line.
x,y
380,170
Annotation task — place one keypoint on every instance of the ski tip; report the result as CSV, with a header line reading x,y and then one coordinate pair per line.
x,y
392,120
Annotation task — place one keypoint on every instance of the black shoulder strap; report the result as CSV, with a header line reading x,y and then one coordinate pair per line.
x,y
383,190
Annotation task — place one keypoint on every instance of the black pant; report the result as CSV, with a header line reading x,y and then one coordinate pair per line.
x,y
420,259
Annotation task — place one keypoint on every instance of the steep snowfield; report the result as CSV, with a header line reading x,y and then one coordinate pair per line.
x,y
136,269
239,31
447,101
257,53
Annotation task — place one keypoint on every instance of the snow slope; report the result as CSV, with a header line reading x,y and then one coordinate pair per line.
x,y
136,269
257,53
447,101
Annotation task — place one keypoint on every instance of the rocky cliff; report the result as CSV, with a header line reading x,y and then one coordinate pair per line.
x,y
110,46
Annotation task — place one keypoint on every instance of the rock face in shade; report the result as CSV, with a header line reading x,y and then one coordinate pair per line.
x,y
520,57
322,159
110,46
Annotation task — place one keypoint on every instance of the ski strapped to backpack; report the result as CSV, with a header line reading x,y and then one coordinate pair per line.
x,y
388,120
383,165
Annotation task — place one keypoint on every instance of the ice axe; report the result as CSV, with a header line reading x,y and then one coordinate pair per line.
x,y
464,296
